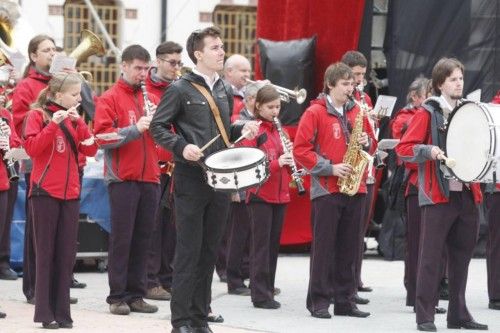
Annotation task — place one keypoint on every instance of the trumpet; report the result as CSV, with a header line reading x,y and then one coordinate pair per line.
x,y
299,95
13,175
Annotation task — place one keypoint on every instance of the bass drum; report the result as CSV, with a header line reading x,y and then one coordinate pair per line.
x,y
236,169
473,141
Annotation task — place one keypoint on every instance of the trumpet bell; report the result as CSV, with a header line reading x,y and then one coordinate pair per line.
x,y
301,96
90,44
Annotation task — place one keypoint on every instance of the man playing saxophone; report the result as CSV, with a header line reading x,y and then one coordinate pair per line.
x,y
322,140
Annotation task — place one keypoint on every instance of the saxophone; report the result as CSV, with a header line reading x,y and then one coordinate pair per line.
x,y
356,157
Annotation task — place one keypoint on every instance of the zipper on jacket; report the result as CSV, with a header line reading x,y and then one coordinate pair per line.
x,y
136,100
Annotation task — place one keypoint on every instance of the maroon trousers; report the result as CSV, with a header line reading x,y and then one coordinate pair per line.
x,y
336,230
453,226
55,227
493,246
162,249
133,207
412,240
266,222
238,244
364,222
6,214
29,260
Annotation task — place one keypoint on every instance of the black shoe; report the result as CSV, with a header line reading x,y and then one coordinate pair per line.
x,y
269,304
3,315
241,291
215,318
182,329
321,313
205,329
360,300
469,325
76,284
352,313
7,274
65,325
50,326
440,310
364,289
73,300
427,327
444,293
494,305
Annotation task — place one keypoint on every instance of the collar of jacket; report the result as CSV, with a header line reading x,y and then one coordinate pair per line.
x,y
155,80
192,77
53,107
38,75
127,87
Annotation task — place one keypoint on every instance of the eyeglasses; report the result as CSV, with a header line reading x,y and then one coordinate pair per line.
x,y
172,62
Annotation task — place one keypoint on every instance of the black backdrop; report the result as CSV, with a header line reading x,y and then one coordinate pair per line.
x,y
419,32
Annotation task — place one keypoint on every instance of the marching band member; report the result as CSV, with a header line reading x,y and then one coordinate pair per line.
x,y
320,145
161,253
450,217
267,203
133,177
358,63
200,212
53,135
492,202
41,50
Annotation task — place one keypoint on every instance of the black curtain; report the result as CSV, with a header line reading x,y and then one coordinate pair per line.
x,y
420,32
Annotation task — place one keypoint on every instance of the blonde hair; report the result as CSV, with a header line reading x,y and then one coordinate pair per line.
x,y
58,83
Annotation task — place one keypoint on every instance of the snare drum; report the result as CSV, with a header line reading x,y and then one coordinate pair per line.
x,y
236,169
473,140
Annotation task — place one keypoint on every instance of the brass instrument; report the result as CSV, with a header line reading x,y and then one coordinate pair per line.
x,y
296,173
89,45
355,156
147,102
11,170
298,95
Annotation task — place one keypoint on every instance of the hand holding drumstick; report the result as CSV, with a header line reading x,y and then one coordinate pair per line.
x,y
438,154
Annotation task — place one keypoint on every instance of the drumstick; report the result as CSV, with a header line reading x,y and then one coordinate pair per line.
x,y
450,162
209,143
243,135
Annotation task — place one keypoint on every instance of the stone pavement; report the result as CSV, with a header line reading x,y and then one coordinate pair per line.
x,y
389,314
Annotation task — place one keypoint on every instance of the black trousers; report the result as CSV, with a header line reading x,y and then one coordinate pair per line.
x,y
29,258
133,210
6,214
364,222
55,226
266,222
238,245
493,246
413,222
201,215
335,244
453,225
162,249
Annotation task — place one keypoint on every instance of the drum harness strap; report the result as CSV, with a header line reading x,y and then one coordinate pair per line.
x,y
215,111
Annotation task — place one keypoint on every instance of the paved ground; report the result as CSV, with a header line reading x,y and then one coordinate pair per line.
x,y
387,305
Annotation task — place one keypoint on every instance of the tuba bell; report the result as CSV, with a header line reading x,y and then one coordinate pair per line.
x,y
89,45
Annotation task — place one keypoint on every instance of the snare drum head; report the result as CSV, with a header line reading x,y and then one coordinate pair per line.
x,y
234,158
468,141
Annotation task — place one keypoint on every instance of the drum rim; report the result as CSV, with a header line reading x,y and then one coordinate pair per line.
x,y
242,168
488,164
244,188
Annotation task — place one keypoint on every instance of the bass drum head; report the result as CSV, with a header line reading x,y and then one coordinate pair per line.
x,y
234,158
468,141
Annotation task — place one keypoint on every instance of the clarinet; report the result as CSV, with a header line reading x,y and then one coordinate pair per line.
x,y
296,173
13,175
147,102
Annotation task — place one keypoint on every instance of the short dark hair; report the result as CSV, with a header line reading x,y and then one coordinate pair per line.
x,y
442,69
354,58
195,41
135,52
168,48
334,73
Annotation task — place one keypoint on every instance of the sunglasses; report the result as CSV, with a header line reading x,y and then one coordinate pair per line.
x,y
172,62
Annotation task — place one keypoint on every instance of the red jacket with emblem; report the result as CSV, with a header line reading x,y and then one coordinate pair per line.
x,y
276,188
14,142
320,142
26,93
157,88
55,166
415,146
133,157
